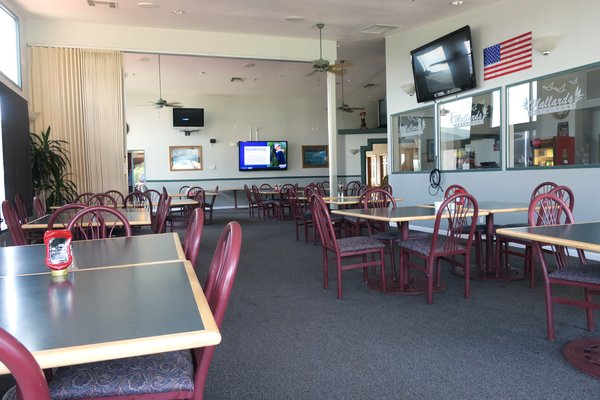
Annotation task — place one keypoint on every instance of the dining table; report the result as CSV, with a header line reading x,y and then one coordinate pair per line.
x,y
135,216
583,354
121,297
403,216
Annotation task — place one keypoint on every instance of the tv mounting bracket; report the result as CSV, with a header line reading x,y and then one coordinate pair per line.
x,y
188,132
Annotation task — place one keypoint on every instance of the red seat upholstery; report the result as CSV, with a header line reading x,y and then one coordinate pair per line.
x,y
460,211
346,248
31,383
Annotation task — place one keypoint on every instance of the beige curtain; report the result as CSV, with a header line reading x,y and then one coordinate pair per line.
x,y
79,94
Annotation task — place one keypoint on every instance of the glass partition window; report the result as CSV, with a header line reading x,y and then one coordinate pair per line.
x,y
413,132
470,132
9,46
555,120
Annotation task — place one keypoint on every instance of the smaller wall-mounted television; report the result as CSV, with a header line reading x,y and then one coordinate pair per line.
x,y
444,66
263,155
188,117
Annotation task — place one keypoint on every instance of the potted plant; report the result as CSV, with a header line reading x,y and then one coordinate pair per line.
x,y
49,162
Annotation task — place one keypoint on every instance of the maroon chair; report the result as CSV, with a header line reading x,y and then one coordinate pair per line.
x,y
38,207
154,196
63,215
388,188
102,199
252,204
549,209
266,207
184,189
210,205
138,200
162,212
193,235
180,221
30,381
301,217
83,198
173,375
460,213
17,236
117,196
352,188
346,248
266,186
98,222
21,209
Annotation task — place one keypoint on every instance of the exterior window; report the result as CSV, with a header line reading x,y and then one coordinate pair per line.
x,y
10,64
413,135
554,120
470,132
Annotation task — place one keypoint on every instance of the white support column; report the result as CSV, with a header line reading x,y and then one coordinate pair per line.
x,y
332,133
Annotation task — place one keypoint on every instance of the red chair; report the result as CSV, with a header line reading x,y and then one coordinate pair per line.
x,y
301,217
17,236
351,247
102,199
252,204
173,375
267,207
98,222
549,209
162,212
38,207
138,200
117,196
180,221
154,196
31,383
209,206
63,215
460,211
193,235
184,189
21,209
83,198
352,188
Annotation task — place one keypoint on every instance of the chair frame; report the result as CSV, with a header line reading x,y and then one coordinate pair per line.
x,y
38,207
100,229
17,236
117,196
193,235
102,199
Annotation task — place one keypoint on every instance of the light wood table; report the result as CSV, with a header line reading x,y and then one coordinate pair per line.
x,y
105,312
135,216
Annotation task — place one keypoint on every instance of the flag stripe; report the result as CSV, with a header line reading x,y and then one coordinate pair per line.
x,y
508,56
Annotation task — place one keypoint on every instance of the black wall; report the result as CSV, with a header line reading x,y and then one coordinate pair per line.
x,y
16,145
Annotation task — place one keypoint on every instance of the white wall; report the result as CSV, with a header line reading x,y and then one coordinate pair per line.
x,y
577,24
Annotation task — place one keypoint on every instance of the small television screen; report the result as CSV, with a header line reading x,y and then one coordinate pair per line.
x,y
263,155
188,117
444,66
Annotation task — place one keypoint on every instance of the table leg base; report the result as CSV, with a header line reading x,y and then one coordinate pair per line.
x,y
506,274
584,354
416,286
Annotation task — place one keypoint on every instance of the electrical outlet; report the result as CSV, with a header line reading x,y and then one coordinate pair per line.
x,y
212,166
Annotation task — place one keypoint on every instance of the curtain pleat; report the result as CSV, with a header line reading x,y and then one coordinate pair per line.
x,y
79,94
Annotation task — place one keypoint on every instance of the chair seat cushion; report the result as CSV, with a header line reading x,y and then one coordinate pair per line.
x,y
156,373
359,243
423,245
588,273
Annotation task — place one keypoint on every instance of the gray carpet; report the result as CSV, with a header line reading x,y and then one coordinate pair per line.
x,y
285,337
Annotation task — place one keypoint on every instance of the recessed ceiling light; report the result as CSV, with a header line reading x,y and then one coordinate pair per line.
x,y
147,5
249,65
202,73
294,18
178,12
456,3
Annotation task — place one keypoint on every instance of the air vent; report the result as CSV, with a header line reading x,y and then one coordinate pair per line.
x,y
237,79
110,4
368,85
378,29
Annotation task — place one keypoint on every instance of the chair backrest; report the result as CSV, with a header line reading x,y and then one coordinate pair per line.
x,y
352,188
64,214
287,186
97,222
460,211
28,375
266,186
193,235
295,208
322,221
544,187
453,189
199,195
377,198
102,199
212,198
21,209
162,211
83,198
38,207
184,189
17,236
118,196
309,190
258,199
154,196
249,196
549,209
217,289
321,189
362,189
565,194
388,188
138,200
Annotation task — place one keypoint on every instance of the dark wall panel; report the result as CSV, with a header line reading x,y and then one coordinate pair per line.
x,y
15,145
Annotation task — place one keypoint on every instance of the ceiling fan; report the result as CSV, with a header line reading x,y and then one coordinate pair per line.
x,y
322,65
160,103
343,106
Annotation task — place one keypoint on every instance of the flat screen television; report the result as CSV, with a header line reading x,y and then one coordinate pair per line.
x,y
444,66
263,155
188,117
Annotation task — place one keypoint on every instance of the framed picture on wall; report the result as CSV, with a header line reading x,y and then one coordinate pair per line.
x,y
315,156
185,158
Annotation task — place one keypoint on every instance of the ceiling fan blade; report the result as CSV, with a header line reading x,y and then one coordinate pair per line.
x,y
314,71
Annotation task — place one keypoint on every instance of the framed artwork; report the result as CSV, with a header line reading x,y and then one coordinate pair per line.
x,y
562,129
315,156
430,150
185,158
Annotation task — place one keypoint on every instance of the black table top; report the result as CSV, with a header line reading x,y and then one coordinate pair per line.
x,y
584,235
20,260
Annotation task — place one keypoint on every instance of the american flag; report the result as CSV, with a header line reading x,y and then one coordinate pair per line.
x,y
506,57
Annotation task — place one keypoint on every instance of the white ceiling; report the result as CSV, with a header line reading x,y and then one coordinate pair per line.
x,y
343,19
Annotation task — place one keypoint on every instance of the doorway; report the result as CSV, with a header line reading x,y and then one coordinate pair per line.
x,y
374,162
136,169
